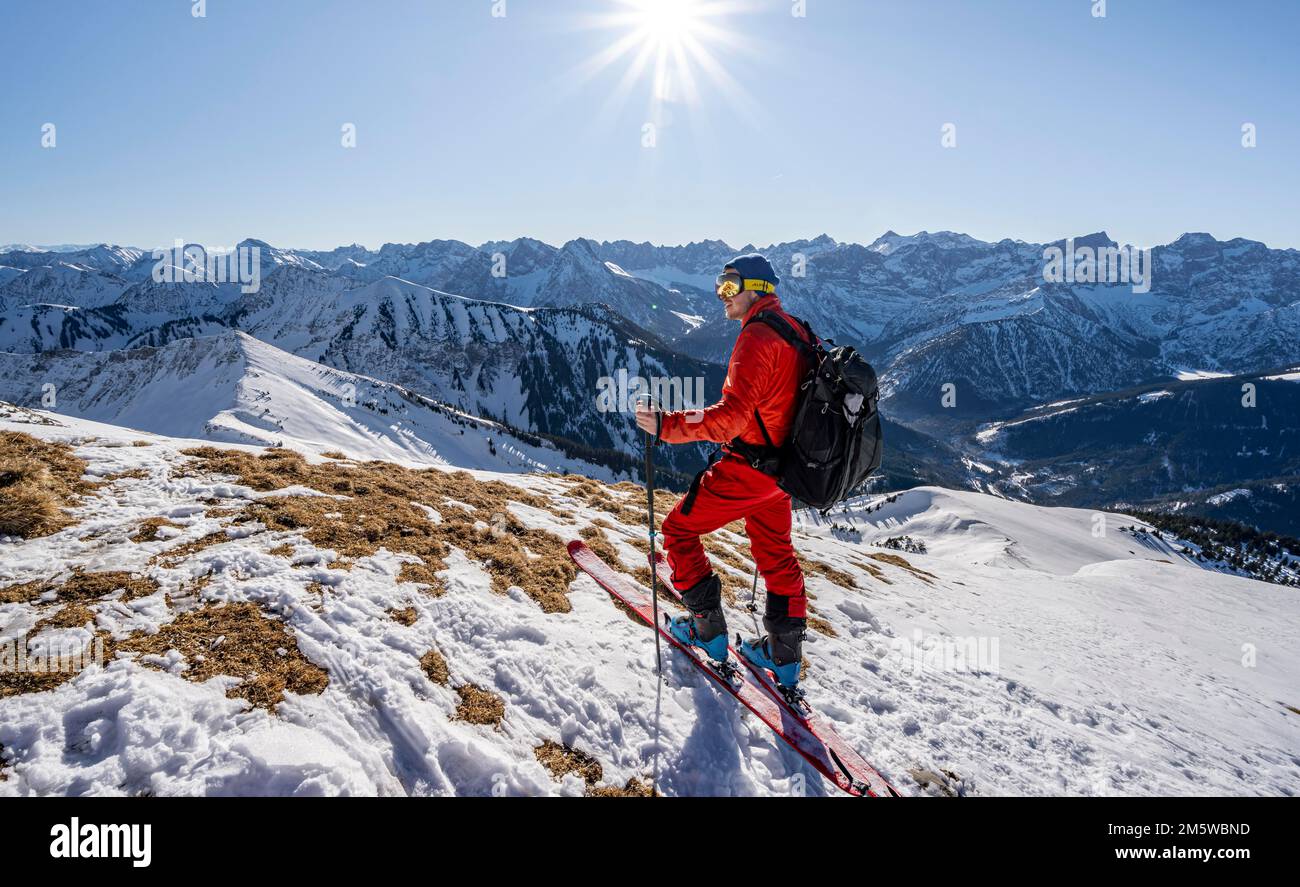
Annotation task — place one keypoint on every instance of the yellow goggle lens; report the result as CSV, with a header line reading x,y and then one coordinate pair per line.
x,y
727,286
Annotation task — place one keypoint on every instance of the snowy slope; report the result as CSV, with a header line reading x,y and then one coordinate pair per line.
x,y
234,388
1118,671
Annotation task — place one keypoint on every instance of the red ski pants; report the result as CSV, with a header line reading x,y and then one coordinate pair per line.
x,y
733,490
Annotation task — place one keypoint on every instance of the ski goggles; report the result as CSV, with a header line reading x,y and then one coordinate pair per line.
x,y
730,284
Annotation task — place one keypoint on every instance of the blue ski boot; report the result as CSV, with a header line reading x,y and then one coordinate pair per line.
x,y
780,651
759,652
706,627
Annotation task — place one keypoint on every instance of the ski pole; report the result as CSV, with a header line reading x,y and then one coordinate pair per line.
x,y
650,443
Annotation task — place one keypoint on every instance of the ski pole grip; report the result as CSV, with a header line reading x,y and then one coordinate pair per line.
x,y
649,401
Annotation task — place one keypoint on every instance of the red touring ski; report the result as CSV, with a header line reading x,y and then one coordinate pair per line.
x,y
805,731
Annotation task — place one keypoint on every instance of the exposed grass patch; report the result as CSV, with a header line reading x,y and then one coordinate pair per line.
x,y
818,568
820,625
18,683
73,615
38,480
81,587
728,554
435,667
598,542
129,474
378,513
899,561
479,706
406,616
141,443
334,454
149,527
635,788
240,641
562,760
58,669
177,553
874,571
421,573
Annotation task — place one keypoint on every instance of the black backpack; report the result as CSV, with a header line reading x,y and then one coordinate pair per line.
x,y
835,440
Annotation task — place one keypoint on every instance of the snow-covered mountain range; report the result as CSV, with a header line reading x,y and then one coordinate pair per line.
x,y
521,332
930,308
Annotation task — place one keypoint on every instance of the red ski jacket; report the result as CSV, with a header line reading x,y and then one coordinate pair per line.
x,y
764,374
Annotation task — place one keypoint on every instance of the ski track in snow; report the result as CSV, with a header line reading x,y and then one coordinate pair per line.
x,y
1119,666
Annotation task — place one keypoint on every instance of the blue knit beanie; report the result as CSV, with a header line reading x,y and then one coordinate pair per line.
x,y
754,267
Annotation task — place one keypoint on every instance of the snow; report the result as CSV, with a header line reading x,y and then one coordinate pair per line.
x,y
1119,663
693,321
1225,498
233,388
1199,375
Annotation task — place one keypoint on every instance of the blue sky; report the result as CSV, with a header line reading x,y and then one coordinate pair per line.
x,y
474,127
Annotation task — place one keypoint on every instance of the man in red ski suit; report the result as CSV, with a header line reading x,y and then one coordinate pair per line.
x,y
763,379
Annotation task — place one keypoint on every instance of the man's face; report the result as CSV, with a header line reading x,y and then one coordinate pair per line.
x,y
737,306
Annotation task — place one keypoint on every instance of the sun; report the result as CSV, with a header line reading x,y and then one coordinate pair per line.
x,y
674,44
667,22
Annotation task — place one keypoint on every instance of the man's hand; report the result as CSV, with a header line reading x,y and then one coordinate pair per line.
x,y
647,418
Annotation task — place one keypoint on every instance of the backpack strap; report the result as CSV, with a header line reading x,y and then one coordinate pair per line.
x,y
786,330
764,456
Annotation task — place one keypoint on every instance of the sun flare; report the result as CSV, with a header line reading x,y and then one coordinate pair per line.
x,y
670,43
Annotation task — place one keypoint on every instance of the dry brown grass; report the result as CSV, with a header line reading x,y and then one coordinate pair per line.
x,y
141,443
249,648
819,624
562,760
479,706
635,788
421,573
875,572
598,542
73,615
728,554
240,641
129,474
81,587
175,554
56,671
149,527
435,667
406,616
818,568
899,561
334,454
378,514
38,480
18,683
